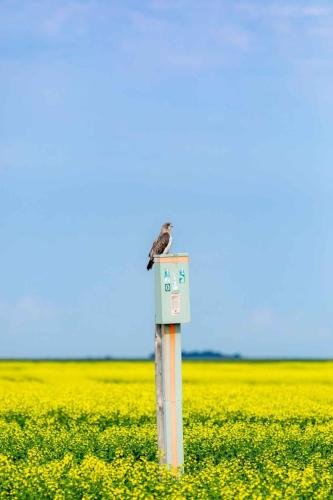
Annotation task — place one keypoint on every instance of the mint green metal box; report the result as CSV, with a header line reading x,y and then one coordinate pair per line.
x,y
172,290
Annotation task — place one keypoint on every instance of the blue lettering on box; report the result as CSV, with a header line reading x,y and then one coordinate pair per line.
x,y
181,276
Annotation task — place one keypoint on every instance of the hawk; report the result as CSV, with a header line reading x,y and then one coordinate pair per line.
x,y
162,244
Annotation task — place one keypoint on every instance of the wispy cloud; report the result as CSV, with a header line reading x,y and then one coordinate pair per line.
x,y
166,33
193,38
70,17
154,38
286,10
26,313
268,320
48,21
262,317
303,25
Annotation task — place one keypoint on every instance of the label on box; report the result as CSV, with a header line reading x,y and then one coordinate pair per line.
x,y
175,304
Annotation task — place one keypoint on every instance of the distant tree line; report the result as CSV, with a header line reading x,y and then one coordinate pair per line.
x,y
209,355
206,355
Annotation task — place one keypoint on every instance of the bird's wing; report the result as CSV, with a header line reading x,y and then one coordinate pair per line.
x,y
160,244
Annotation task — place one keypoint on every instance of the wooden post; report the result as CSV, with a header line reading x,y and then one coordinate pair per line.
x,y
172,307
169,395
159,393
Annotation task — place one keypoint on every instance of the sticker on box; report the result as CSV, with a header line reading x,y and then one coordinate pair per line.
x,y
175,304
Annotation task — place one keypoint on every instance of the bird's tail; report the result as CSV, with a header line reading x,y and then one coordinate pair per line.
x,y
150,264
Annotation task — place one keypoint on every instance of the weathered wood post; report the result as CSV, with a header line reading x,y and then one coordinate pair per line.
x,y
172,307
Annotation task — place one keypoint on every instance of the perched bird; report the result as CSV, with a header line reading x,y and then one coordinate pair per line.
x,y
162,244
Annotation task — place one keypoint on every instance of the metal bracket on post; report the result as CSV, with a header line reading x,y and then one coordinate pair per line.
x,y
172,309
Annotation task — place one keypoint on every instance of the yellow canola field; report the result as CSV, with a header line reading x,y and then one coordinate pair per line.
x,y
71,430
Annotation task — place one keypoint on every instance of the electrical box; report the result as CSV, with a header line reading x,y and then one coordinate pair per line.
x,y
172,290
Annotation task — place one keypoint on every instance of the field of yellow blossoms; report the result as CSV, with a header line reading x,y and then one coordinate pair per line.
x,y
87,430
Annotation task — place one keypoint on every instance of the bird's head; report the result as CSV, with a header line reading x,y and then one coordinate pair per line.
x,y
166,228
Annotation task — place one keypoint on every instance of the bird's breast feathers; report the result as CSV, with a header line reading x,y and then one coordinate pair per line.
x,y
167,248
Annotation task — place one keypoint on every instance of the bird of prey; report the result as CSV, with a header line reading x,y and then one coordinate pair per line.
x,y
162,244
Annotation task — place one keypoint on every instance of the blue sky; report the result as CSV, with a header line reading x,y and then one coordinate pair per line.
x,y
118,116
